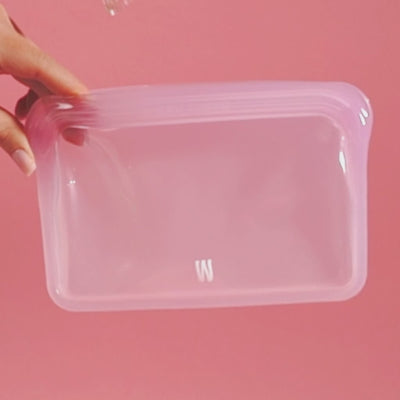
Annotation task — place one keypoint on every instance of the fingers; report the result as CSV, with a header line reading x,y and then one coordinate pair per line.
x,y
44,69
15,143
22,59
36,86
26,61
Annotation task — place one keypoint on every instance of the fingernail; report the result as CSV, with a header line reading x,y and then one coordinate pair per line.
x,y
80,90
24,161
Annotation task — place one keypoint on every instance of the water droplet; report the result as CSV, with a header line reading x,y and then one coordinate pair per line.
x,y
115,6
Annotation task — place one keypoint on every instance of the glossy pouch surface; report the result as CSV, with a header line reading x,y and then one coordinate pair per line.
x,y
203,195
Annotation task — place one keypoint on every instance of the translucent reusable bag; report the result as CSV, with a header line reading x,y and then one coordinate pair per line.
x,y
203,195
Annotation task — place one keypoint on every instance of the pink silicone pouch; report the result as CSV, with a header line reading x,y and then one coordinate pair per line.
x,y
203,195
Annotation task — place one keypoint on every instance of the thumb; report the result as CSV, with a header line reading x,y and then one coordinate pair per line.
x,y
15,143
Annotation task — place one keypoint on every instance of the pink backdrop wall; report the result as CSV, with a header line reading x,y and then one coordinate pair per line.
x,y
341,351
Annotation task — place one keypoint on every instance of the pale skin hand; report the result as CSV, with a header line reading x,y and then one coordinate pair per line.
x,y
22,59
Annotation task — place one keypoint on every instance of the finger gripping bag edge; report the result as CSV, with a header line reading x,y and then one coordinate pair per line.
x,y
203,195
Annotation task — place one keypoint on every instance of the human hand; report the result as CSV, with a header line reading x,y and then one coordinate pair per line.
x,y
22,59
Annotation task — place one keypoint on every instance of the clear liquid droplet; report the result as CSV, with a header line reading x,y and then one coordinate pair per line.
x,y
115,6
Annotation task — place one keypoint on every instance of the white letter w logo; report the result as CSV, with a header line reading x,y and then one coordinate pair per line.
x,y
204,270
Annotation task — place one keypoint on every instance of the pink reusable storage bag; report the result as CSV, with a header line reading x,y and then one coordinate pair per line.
x,y
203,195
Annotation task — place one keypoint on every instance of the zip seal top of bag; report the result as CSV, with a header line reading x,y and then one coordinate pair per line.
x,y
115,6
142,105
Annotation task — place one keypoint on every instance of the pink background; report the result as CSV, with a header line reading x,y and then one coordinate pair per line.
x,y
345,351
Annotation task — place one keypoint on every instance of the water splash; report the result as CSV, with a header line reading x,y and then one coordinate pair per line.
x,y
115,6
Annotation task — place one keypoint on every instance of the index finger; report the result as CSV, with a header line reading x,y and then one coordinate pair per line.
x,y
23,59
